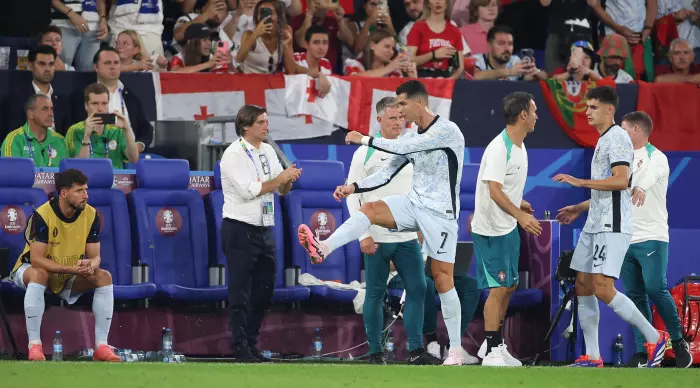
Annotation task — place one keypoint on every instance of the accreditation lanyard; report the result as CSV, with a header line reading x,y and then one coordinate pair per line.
x,y
31,149
106,148
268,210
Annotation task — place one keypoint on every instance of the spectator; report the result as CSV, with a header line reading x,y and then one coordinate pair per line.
x,y
624,17
93,138
214,15
262,50
368,19
682,68
338,31
381,59
33,140
51,36
581,64
133,55
42,66
196,56
83,25
314,58
243,20
613,53
143,16
569,22
414,9
436,54
107,66
686,15
483,17
500,63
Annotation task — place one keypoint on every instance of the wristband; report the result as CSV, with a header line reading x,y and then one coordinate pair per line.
x,y
86,144
365,140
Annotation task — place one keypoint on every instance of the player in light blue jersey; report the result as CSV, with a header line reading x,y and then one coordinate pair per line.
x,y
436,152
606,236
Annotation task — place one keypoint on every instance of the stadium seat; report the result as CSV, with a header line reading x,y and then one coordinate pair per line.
x,y
311,202
170,229
18,199
215,203
115,231
142,156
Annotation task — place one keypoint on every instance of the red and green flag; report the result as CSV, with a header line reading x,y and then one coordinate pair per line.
x,y
567,103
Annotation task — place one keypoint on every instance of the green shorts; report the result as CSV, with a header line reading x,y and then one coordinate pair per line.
x,y
497,259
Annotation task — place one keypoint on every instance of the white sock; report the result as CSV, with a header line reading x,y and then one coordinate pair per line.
x,y
33,311
589,316
626,309
452,314
350,230
103,307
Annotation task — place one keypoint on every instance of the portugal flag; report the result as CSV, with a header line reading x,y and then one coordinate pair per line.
x,y
567,102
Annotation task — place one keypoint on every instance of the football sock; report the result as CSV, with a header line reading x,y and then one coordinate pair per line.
x,y
350,230
452,314
33,311
493,340
103,307
589,316
626,309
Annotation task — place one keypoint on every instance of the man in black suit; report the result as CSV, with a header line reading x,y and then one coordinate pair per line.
x,y
41,64
108,68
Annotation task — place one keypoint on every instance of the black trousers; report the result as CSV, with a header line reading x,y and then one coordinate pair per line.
x,y
252,268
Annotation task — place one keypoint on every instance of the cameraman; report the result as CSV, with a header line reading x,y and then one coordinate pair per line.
x,y
93,138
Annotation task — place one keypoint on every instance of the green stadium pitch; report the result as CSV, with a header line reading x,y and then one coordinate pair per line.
x,y
199,375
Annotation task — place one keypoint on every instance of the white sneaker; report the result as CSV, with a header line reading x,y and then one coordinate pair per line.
x,y
512,361
454,358
482,350
468,358
434,349
496,358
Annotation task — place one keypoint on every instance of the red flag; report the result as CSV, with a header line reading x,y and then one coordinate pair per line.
x,y
567,102
674,110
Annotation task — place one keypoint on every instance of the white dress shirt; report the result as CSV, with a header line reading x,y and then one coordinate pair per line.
x,y
242,178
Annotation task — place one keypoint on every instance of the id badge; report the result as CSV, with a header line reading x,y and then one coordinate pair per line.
x,y
268,211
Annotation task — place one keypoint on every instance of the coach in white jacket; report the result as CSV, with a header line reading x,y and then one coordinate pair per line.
x,y
379,245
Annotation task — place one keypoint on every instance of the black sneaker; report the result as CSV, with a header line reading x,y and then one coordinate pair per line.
x,y
257,354
421,357
639,360
377,359
683,357
242,354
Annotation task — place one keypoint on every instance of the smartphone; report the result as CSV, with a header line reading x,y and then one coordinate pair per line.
x,y
527,55
265,12
107,118
222,47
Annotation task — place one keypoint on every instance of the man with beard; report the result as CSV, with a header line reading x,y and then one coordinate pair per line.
x,y
613,53
414,9
500,63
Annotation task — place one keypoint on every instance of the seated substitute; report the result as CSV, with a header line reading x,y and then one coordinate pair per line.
x,y
63,255
93,138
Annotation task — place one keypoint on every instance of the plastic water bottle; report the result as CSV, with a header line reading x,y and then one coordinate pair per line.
x,y
167,342
270,354
618,349
57,347
317,345
85,353
390,353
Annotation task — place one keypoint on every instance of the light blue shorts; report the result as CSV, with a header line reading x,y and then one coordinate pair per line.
x,y
602,252
439,234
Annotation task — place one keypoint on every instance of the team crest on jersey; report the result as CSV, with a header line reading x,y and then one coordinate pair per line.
x,y
112,145
502,276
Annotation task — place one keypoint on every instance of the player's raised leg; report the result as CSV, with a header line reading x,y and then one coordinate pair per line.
x,y
371,213
102,307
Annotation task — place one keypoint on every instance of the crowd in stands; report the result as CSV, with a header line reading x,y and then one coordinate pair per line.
x,y
625,40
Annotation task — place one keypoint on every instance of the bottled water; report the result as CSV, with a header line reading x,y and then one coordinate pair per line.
x,y
167,342
317,345
270,354
390,353
57,347
618,350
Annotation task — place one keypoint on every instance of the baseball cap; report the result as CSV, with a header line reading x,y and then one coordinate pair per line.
x,y
197,31
614,45
586,46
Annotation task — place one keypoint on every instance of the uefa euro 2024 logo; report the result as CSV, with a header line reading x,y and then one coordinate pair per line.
x,y
168,217
12,215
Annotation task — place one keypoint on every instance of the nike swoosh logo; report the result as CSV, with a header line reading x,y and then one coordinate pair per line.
x,y
31,317
640,365
383,159
597,265
413,358
651,253
440,253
